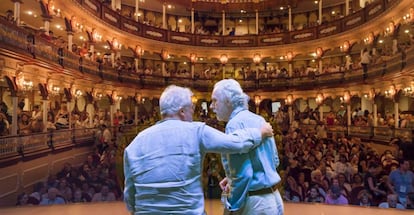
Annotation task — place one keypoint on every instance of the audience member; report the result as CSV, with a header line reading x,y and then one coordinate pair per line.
x,y
52,197
335,196
392,202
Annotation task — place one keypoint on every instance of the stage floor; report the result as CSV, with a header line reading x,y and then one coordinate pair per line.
x,y
213,207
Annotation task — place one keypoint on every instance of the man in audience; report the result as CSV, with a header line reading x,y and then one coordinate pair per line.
x,y
335,196
252,178
401,181
104,196
52,198
162,165
392,202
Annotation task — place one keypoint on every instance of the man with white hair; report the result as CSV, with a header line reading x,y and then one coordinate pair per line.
x,y
251,177
162,165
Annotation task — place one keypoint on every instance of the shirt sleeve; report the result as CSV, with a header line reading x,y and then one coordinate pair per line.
x,y
129,190
239,141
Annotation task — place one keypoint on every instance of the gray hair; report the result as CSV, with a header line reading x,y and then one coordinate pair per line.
x,y
174,98
230,90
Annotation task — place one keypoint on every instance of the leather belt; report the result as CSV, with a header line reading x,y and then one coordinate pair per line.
x,y
263,191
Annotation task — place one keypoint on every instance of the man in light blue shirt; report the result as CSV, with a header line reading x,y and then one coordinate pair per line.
x,y
401,181
251,178
162,165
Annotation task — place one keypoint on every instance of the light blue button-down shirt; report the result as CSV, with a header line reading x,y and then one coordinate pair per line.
x,y
162,165
250,171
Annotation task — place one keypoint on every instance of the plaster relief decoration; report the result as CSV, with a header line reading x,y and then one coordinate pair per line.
x,y
375,10
272,40
131,27
91,5
179,38
110,17
209,41
154,33
328,30
301,36
240,41
353,21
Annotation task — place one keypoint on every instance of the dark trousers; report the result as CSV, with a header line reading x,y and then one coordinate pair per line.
x,y
364,70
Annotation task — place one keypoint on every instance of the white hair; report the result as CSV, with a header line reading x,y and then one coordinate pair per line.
x,y
230,90
174,98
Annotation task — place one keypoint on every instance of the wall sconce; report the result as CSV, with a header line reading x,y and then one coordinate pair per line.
x,y
289,99
53,11
193,58
371,94
224,59
347,97
408,91
115,44
96,37
319,98
164,55
98,96
345,47
78,93
138,51
289,56
118,98
391,92
194,100
257,100
319,52
24,84
391,28
370,38
137,98
55,90
257,58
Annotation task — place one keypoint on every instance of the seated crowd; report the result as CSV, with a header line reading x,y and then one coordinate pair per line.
x,y
341,170
93,181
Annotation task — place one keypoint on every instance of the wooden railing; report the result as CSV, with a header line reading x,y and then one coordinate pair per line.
x,y
111,17
13,148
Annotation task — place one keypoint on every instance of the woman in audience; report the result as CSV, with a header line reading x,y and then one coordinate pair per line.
x,y
24,124
364,198
370,183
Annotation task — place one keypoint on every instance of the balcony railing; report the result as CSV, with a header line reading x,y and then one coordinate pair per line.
x,y
105,13
14,148
13,40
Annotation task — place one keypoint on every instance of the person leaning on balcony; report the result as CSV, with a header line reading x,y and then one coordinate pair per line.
x,y
365,60
4,125
24,124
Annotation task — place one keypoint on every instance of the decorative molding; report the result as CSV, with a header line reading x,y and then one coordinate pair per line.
x,y
179,38
110,17
130,27
91,5
209,41
154,33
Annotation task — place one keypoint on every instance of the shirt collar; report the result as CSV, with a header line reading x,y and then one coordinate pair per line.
x,y
236,111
